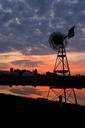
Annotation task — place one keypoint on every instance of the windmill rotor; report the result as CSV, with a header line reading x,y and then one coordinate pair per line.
x,y
57,40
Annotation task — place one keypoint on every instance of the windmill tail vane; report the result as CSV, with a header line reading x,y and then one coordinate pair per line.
x,y
71,32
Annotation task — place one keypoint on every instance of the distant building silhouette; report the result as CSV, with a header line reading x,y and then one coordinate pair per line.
x,y
35,72
11,69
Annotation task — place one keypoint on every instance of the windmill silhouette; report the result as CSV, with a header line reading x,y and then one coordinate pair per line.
x,y
58,42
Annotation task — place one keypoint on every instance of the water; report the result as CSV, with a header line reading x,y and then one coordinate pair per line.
x,y
42,92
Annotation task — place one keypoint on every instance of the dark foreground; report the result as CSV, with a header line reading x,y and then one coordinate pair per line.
x,y
17,105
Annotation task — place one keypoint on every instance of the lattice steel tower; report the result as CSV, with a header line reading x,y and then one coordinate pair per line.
x,y
58,42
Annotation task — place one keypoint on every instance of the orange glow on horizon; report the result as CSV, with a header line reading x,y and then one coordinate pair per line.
x,y
76,61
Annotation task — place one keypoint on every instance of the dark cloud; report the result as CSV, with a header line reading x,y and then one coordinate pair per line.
x,y
27,63
28,23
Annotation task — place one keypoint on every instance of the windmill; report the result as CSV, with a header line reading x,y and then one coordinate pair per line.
x,y
58,42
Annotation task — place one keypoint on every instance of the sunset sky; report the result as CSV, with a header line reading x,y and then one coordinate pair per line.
x,y
25,26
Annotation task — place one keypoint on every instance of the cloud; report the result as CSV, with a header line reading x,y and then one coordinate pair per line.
x,y
27,63
27,24
83,30
72,1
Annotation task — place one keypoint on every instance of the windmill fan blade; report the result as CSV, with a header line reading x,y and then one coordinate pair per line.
x,y
56,40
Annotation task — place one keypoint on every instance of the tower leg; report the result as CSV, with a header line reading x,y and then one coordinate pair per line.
x,y
65,95
75,96
48,93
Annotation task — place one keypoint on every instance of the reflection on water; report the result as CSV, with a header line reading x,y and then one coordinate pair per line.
x,y
42,92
